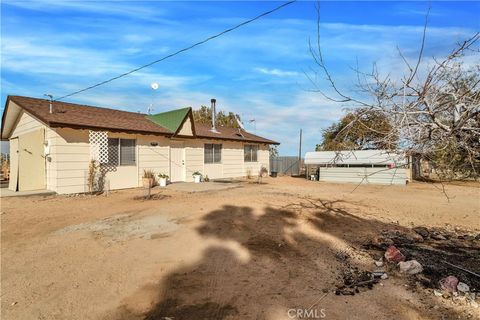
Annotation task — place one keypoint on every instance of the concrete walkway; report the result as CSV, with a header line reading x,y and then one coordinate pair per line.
x,y
4,192
202,186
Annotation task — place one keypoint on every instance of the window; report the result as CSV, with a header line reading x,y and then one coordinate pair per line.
x,y
212,153
127,152
121,152
250,153
113,152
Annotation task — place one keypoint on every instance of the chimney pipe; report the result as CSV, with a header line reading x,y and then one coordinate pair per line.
x,y
214,115
51,100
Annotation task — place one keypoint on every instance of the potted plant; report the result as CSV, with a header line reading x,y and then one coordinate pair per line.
x,y
148,178
163,179
197,176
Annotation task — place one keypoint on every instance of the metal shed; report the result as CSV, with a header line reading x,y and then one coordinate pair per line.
x,y
362,166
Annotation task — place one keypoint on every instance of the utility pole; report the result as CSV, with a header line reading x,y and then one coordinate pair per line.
x,y
300,153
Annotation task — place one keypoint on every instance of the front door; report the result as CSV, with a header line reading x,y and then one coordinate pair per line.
x,y
31,161
177,162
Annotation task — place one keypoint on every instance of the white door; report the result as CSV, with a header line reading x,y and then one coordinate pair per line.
x,y
31,161
13,180
177,162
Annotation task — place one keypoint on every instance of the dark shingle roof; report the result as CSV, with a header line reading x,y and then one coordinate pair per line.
x,y
79,116
82,116
203,130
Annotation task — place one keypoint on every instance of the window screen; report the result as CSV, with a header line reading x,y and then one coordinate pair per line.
x,y
127,152
250,153
121,152
212,153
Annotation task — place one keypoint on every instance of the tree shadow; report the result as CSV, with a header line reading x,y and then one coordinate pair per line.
x,y
293,262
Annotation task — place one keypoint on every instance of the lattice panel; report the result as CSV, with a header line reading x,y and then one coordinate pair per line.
x,y
98,146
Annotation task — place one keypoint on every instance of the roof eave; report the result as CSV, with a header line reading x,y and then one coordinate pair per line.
x,y
87,127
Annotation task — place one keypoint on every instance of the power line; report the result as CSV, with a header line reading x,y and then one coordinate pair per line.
x,y
179,51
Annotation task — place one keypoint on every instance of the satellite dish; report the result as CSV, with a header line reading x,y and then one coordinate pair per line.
x,y
154,86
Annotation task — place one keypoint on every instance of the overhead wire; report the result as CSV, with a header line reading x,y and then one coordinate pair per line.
x,y
178,51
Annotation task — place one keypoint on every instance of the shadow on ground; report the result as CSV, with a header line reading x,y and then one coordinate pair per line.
x,y
288,267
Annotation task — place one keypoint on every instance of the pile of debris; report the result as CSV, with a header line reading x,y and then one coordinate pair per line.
x,y
433,258
459,292
353,280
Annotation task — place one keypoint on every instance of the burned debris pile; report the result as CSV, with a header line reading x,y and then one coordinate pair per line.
x,y
445,261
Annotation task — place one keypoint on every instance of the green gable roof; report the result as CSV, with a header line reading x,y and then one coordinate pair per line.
x,y
171,120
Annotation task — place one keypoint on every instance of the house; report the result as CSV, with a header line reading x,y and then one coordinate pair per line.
x,y
52,145
358,166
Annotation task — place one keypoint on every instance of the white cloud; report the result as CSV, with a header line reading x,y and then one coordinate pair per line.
x,y
121,8
277,72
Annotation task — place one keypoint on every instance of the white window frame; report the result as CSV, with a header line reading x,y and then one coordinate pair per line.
x,y
213,153
251,158
119,144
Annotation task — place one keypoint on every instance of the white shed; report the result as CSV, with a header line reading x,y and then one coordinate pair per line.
x,y
362,166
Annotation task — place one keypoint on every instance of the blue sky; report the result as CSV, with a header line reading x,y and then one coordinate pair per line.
x,y
257,71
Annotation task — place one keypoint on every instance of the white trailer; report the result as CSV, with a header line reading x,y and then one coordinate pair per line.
x,y
362,166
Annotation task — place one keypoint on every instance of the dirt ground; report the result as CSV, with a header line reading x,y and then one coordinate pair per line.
x,y
256,251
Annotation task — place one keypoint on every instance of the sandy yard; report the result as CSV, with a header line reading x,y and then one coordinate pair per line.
x,y
255,251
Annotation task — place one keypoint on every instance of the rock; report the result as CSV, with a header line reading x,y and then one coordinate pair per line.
x,y
379,263
382,241
378,273
477,237
474,303
384,276
438,236
422,231
410,267
469,237
463,287
437,293
394,255
449,284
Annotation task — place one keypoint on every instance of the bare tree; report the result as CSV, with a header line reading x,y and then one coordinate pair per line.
x,y
434,109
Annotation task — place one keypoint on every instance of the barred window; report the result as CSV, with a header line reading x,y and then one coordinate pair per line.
x,y
250,153
121,152
212,153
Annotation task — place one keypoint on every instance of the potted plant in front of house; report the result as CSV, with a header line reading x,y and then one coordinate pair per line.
x,y
163,179
197,176
148,178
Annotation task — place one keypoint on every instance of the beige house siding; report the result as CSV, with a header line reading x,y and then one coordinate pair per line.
x,y
26,124
232,165
68,159
186,129
71,157
232,159
150,157
193,158
70,153
263,159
